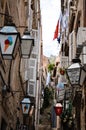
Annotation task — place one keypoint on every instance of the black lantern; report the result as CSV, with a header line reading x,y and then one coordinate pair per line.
x,y
58,109
9,41
76,73
27,44
25,105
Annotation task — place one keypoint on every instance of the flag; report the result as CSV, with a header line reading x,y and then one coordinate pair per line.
x,y
56,31
59,39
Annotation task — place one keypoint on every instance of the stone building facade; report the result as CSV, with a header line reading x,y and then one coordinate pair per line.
x,y
9,78
73,38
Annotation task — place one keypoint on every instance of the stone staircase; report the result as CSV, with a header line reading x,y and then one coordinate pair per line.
x,y
44,127
45,122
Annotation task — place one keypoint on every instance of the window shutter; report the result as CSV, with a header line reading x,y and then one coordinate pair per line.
x,y
72,46
84,55
24,69
64,61
26,75
35,48
24,64
31,89
32,69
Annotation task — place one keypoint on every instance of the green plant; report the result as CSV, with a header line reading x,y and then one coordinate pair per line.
x,y
67,118
51,67
48,96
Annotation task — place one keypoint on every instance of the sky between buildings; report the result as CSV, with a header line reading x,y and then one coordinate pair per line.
x,y
50,11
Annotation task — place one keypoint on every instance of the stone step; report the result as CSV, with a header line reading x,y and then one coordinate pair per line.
x,y
44,127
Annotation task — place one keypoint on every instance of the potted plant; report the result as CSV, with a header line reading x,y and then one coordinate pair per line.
x,y
62,70
51,67
67,120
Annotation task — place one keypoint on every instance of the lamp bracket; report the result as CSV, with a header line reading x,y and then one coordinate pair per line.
x,y
76,60
5,14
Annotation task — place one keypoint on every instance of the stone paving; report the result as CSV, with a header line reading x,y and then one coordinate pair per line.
x,y
44,127
45,123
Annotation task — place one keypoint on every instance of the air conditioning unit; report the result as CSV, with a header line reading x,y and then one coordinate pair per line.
x,y
81,36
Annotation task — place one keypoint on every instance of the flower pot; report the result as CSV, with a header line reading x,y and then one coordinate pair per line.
x,y
62,72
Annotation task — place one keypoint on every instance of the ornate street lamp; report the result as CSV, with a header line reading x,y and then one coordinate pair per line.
x,y
9,41
27,43
25,105
76,73
58,109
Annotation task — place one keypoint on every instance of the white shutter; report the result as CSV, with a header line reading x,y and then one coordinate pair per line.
x,y
81,36
64,61
31,89
24,69
84,55
26,75
35,48
24,64
61,94
72,46
32,69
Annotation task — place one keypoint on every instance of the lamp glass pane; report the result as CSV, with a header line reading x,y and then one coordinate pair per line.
x,y
74,75
82,77
25,108
26,47
25,105
7,43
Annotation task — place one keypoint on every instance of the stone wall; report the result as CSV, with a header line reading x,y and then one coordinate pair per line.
x,y
10,107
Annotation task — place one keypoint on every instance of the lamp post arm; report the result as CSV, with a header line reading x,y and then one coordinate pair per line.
x,y
20,76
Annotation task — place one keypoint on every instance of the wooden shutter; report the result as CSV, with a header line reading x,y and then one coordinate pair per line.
x,y
31,89
24,69
84,55
64,61
35,48
72,46
26,75
32,69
